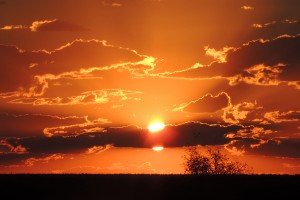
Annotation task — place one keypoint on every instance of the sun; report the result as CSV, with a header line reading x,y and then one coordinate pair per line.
x,y
156,127
158,148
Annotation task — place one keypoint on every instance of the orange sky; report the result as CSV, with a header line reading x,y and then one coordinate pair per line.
x,y
81,81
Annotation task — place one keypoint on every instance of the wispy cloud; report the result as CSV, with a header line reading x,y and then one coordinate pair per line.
x,y
13,27
6,147
54,25
33,161
272,23
219,55
111,4
260,75
46,25
86,98
279,117
208,103
98,149
77,129
239,112
247,7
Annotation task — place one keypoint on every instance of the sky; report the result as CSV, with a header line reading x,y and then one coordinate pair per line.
x,y
80,82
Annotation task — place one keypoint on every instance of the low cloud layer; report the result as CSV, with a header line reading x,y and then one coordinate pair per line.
x,y
236,139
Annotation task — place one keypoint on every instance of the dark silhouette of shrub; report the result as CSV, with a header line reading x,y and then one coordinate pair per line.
x,y
213,162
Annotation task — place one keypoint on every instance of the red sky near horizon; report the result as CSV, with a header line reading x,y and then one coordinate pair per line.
x,y
80,82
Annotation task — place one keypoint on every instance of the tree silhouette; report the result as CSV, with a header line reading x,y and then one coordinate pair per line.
x,y
213,163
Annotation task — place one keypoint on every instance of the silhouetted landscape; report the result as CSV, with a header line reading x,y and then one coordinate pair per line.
x,y
88,186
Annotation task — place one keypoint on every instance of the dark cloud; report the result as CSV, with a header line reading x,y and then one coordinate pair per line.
x,y
130,136
27,160
283,147
59,144
278,138
13,159
236,138
196,133
38,67
55,25
288,147
26,125
282,24
241,112
2,3
263,125
81,54
279,117
207,103
270,98
259,62
14,61
285,126
6,147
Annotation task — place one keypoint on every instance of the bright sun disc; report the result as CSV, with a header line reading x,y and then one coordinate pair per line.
x,y
155,127
158,148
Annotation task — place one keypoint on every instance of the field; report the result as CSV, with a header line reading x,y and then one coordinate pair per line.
x,y
86,186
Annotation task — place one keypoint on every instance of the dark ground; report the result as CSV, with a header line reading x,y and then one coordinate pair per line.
x,y
152,187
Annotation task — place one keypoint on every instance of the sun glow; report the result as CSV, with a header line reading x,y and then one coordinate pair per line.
x,y
156,127
158,148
